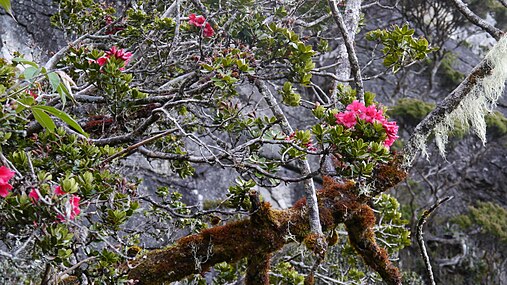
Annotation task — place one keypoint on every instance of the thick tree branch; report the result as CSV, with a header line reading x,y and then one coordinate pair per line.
x,y
476,20
493,63
266,232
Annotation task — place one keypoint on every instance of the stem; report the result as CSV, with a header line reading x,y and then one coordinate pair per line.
x,y
303,165
420,239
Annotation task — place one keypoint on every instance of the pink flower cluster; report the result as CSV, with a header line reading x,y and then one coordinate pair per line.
x,y
117,53
5,175
358,111
200,22
71,208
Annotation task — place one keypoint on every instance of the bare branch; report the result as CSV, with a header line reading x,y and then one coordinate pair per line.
x,y
303,165
420,239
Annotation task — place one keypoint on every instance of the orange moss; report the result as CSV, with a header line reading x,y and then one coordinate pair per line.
x,y
257,272
362,238
389,175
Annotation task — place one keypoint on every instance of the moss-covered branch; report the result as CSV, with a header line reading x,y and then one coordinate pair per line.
x,y
266,232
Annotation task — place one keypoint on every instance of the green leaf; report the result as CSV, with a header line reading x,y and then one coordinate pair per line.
x,y
44,119
54,80
24,61
6,4
30,72
62,116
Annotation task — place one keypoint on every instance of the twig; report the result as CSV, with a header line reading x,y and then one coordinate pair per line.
x,y
132,148
68,270
46,277
349,44
420,239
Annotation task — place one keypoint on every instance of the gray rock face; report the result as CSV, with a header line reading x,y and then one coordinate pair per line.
x,y
32,34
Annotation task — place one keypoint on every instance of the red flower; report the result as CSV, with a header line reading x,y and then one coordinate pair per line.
x,y
200,22
392,133
208,31
102,60
32,93
34,195
71,209
59,191
74,204
197,21
119,54
5,175
356,107
357,110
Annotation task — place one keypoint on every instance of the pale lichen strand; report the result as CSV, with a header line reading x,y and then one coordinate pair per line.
x,y
482,98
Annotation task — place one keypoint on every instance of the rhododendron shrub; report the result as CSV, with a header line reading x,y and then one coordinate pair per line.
x,y
203,89
358,114
200,22
119,54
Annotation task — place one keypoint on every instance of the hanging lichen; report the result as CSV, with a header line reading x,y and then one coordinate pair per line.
x,y
466,107
480,101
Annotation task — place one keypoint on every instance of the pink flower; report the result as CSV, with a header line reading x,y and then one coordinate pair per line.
x,y
371,114
32,93
34,195
102,61
5,175
109,20
357,110
71,209
310,146
119,53
197,21
348,119
356,107
291,137
208,31
74,203
391,131
59,191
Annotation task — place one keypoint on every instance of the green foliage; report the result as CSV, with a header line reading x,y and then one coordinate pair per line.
x,y
451,77
400,46
182,98
357,150
289,97
228,273
491,218
238,194
6,4
410,111
497,124
285,274
282,43
394,235
81,16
